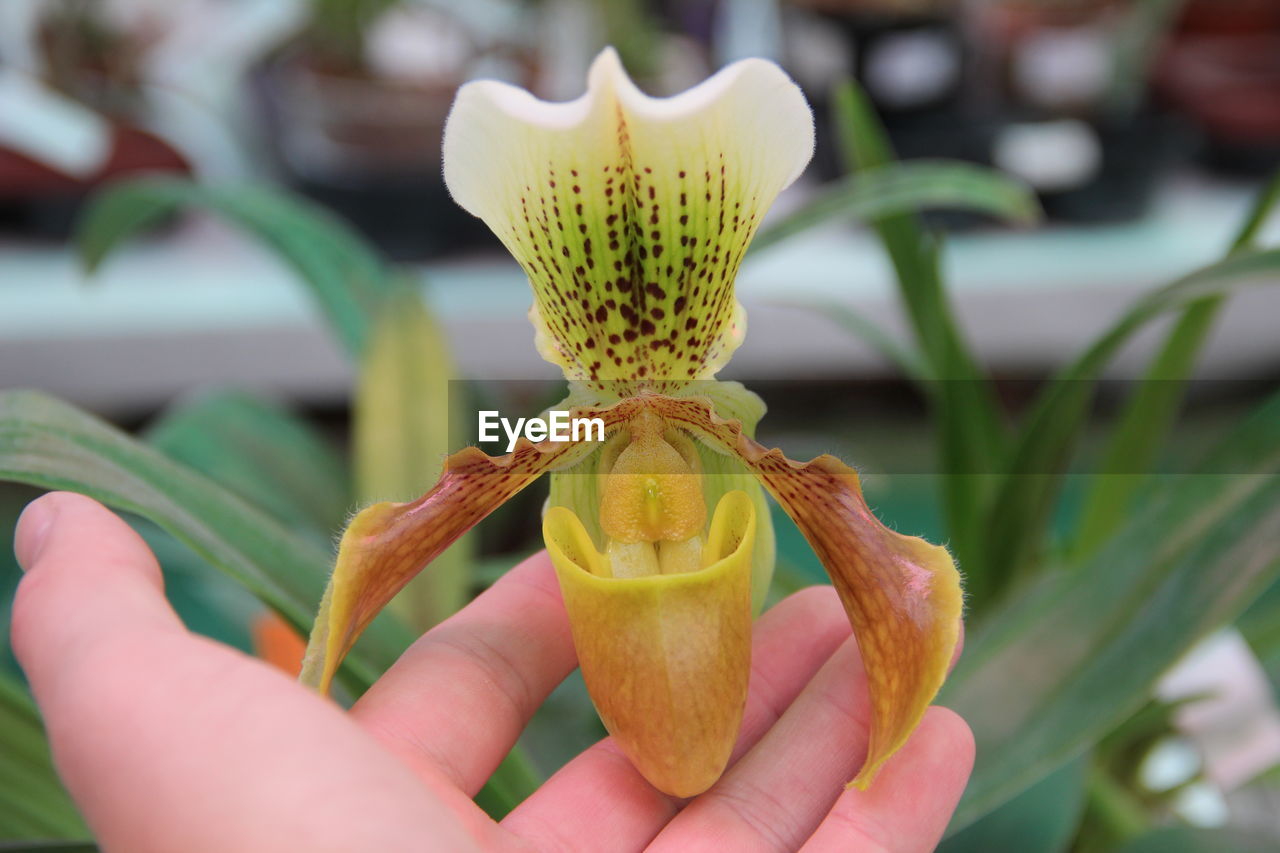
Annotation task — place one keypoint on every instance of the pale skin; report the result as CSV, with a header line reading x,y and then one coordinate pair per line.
x,y
170,741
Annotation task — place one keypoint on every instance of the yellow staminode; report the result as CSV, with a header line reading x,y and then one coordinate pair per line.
x,y
652,492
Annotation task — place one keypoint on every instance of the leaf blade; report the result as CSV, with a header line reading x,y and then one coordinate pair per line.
x,y
33,803
971,437
1057,667
403,421
1148,416
257,449
345,276
48,443
900,188
1030,483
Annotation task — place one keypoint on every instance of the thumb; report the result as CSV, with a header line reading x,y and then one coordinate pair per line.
x,y
89,578
167,741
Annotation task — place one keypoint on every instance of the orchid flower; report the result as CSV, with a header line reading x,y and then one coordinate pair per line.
x,y
630,215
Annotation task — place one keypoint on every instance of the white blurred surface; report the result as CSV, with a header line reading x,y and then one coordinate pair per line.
x,y
203,305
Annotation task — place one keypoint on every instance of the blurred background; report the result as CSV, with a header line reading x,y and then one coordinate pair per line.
x,y
1145,129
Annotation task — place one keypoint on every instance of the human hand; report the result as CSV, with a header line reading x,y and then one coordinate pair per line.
x,y
170,741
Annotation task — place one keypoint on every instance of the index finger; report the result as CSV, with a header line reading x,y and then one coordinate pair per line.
x,y
458,699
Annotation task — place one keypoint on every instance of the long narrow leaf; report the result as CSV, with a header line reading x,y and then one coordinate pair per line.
x,y
264,454
48,443
1149,414
347,279
1043,818
33,803
1260,626
1033,478
1186,839
899,188
1059,666
404,424
971,433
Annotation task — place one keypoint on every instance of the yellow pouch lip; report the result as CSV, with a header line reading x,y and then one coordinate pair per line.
x,y
666,658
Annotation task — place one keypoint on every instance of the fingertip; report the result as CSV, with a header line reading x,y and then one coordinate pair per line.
x,y
87,575
66,528
953,734
941,749
33,528
909,804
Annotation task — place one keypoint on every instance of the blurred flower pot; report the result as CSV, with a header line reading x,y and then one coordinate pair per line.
x,y
37,200
1223,72
369,149
93,65
1096,170
912,59
1080,128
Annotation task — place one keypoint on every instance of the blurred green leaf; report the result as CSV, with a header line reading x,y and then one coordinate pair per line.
x,y
1260,626
33,803
1185,839
402,433
970,430
264,454
1041,819
346,277
1054,669
48,443
1033,478
1149,415
1113,814
898,188
513,781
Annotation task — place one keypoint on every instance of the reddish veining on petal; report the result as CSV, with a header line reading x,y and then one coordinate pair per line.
x,y
386,545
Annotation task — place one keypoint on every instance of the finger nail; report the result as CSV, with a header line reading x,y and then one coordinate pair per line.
x,y
32,531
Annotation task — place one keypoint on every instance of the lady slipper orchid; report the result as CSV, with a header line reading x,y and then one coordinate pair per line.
x,y
630,216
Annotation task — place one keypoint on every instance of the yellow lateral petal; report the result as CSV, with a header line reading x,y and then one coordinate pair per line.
x,y
666,658
630,214
902,594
